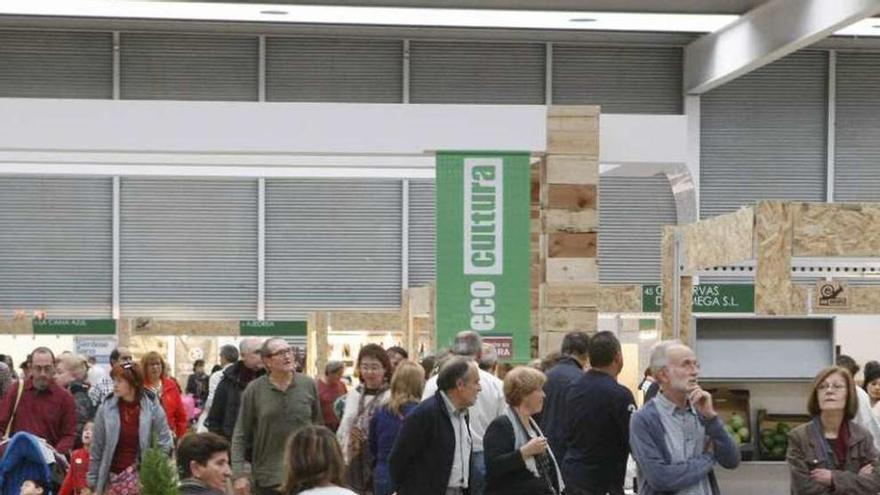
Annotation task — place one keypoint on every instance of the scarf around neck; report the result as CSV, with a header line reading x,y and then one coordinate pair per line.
x,y
521,437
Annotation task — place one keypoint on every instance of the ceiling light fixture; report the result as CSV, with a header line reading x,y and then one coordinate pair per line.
x,y
865,27
582,19
273,12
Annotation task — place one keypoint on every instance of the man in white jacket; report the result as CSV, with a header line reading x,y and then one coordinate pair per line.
x,y
490,404
864,417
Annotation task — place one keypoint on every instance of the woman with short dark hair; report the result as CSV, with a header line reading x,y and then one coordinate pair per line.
x,y
125,426
314,464
518,459
831,453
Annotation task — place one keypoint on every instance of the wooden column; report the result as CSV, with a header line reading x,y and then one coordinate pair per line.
x,y
568,297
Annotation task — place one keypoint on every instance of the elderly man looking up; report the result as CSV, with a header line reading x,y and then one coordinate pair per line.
x,y
677,438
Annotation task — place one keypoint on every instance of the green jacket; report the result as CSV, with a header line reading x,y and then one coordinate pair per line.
x,y
266,419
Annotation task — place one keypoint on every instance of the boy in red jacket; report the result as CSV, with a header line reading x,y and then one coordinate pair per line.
x,y
75,481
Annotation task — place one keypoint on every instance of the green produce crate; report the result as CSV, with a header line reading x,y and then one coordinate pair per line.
x,y
772,437
734,408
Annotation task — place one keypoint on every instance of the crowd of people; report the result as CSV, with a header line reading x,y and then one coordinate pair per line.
x,y
453,424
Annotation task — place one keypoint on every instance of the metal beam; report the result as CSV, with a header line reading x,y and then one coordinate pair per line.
x,y
765,34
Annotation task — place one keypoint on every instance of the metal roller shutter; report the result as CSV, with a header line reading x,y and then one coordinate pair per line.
x,y
46,64
422,234
332,244
334,70
488,73
188,67
857,155
620,79
632,212
188,248
763,136
56,246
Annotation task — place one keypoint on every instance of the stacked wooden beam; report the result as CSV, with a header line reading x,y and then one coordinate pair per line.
x,y
569,270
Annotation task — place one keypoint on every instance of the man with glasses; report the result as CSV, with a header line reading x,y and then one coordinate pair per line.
x,y
677,438
41,407
101,383
272,407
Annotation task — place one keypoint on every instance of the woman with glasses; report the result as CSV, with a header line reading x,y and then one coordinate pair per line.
x,y
125,426
831,453
167,390
361,403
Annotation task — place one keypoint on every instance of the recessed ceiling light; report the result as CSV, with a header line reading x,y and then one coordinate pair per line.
x,y
274,12
582,19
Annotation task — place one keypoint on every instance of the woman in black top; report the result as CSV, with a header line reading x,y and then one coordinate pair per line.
x,y
518,459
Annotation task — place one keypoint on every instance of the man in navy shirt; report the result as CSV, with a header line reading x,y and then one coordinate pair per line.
x,y
575,354
597,412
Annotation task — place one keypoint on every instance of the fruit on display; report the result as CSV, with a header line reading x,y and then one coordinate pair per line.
x,y
774,441
737,429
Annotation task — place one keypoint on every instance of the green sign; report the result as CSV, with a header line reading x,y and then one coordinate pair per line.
x,y
75,327
257,328
483,246
708,298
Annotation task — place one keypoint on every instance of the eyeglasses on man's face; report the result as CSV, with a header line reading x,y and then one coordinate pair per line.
x,y
281,352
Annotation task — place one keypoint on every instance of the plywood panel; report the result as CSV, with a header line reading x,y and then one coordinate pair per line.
x,y
365,320
572,169
575,134
686,309
550,342
568,245
572,196
573,111
150,326
569,319
579,270
836,229
773,232
620,299
571,221
667,272
561,295
861,300
719,241
23,326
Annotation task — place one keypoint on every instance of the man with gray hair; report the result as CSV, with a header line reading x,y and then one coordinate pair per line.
x,y
489,358
225,402
677,438
228,356
489,404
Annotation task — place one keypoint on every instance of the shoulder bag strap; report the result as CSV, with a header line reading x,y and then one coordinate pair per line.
x,y
14,409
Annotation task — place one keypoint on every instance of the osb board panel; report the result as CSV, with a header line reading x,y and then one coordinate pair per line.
x,y
569,319
572,169
686,309
569,245
149,326
572,196
667,272
836,229
579,270
571,221
17,327
620,299
773,233
561,295
573,111
719,241
364,320
860,300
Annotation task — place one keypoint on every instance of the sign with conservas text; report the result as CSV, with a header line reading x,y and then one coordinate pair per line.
x,y
708,298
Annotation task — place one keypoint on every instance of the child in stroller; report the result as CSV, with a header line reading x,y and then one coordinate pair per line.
x,y
29,458
32,487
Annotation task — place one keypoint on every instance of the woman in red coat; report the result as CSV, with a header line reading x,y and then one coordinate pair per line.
x,y
75,481
158,382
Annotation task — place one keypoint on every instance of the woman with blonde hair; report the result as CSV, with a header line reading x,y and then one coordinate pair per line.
x,y
831,453
157,381
71,374
518,458
407,385
314,464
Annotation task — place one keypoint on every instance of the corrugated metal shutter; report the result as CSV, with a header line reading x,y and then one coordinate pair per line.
x,y
632,212
620,79
422,233
188,248
332,244
857,157
763,136
46,64
56,246
188,67
336,70
488,73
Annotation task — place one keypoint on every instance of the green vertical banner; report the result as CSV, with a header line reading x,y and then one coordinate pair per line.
x,y
483,249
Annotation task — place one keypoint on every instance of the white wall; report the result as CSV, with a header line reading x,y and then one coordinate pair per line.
x,y
859,337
